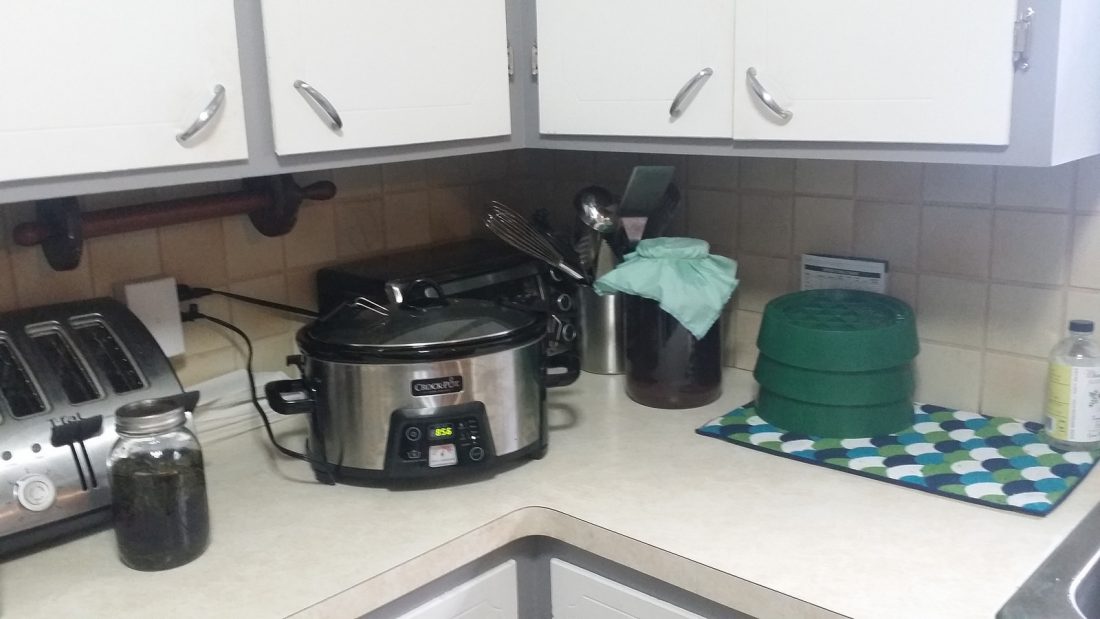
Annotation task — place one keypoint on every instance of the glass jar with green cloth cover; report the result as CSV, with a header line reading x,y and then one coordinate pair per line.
x,y
675,292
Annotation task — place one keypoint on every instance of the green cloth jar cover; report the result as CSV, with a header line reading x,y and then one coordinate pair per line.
x,y
681,275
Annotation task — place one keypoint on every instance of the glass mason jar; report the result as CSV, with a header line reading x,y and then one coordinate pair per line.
x,y
667,366
158,488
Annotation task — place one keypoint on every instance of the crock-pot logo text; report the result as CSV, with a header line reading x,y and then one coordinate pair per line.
x,y
437,386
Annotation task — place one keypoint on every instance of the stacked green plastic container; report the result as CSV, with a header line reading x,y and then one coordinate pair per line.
x,y
837,363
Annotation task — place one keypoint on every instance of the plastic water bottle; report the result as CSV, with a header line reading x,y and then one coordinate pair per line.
x,y
1073,390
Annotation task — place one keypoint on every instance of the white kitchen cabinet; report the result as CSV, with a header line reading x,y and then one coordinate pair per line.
x,y
109,86
579,594
615,67
935,71
391,71
492,595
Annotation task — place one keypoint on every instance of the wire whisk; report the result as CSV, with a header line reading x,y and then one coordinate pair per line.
x,y
513,229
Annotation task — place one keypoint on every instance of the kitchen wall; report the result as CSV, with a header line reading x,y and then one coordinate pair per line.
x,y
993,259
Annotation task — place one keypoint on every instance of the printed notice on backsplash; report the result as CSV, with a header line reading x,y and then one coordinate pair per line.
x,y
825,271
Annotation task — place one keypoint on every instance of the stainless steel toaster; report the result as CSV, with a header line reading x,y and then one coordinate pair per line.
x,y
64,370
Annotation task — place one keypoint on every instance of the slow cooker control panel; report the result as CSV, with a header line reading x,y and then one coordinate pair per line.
x,y
438,438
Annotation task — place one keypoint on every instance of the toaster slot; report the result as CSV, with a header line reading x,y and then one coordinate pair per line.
x,y
107,354
19,392
58,352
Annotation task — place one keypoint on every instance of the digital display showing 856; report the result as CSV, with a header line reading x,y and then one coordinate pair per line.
x,y
441,432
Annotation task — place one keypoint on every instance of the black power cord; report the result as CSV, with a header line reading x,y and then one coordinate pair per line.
x,y
193,313
190,293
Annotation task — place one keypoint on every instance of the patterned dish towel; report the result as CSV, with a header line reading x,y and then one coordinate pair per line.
x,y
995,461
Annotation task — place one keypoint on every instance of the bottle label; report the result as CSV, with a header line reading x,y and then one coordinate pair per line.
x,y
1073,403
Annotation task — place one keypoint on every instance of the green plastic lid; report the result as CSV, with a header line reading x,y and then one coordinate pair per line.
x,y
823,387
838,330
831,421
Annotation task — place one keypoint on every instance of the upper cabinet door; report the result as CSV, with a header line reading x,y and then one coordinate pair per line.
x,y
364,73
934,71
618,67
108,86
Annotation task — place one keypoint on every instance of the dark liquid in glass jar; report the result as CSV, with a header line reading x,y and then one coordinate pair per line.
x,y
667,366
160,510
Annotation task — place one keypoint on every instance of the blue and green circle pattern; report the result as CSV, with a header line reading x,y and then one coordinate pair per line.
x,y
998,461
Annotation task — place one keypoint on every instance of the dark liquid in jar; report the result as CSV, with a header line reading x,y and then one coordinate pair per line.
x,y
160,510
667,366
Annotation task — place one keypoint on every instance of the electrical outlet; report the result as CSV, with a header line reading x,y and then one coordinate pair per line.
x,y
156,304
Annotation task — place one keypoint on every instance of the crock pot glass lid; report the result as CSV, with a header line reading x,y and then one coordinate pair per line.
x,y
459,321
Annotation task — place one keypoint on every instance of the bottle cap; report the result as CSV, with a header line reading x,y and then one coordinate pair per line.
x,y
146,417
1081,326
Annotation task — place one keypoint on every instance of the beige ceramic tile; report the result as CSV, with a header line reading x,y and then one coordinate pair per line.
x,y
1030,247
706,172
952,311
358,182
887,180
193,369
903,286
247,252
8,300
1082,305
194,253
746,328
200,336
301,287
956,240
521,163
1085,264
446,171
36,283
408,220
269,353
958,184
259,321
574,165
540,162
122,258
771,174
612,170
762,279
888,232
360,228
825,177
712,216
1041,188
767,224
823,225
488,167
680,162
313,239
1088,185
1014,387
452,214
949,376
403,176
1026,321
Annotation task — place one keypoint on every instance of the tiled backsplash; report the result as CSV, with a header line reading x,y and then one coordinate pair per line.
x,y
993,259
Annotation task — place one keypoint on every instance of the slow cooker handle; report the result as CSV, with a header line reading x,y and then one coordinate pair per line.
x,y
569,365
289,397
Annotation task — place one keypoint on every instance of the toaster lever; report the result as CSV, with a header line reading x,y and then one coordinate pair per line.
x,y
75,431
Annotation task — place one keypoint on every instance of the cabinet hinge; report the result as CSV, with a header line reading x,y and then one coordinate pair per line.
x,y
511,61
534,60
1021,40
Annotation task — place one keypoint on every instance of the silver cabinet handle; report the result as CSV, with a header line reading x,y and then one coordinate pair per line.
x,y
692,86
766,97
318,99
204,116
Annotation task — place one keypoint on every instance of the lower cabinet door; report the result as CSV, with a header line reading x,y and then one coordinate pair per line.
x,y
580,594
492,595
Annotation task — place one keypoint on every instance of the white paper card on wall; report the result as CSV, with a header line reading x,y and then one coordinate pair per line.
x,y
156,304
826,271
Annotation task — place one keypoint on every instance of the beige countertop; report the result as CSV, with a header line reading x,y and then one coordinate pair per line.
x,y
766,535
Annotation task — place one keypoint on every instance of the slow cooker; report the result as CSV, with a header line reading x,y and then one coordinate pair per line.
x,y
429,387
